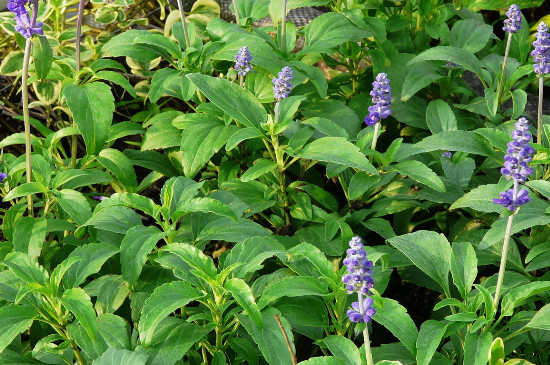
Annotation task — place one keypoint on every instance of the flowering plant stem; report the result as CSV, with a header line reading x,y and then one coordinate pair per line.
x,y
368,353
504,63
504,257
74,140
238,20
283,29
26,120
539,116
278,152
184,25
375,137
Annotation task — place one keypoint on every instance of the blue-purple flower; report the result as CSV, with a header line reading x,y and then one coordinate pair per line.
x,y
381,98
23,23
513,23
243,59
3,176
541,53
518,156
359,279
447,154
99,197
282,85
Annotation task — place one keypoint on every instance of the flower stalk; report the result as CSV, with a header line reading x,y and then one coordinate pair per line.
x,y
503,258
74,139
236,9
283,28
184,24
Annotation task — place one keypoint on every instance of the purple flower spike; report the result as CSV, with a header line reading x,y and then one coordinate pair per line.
x,y
381,98
355,315
447,154
243,59
3,176
282,85
513,23
507,199
359,279
541,53
99,197
23,23
516,167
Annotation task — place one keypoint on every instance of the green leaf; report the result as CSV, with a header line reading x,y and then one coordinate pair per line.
x,y
324,360
14,319
42,54
119,356
429,251
25,189
8,357
394,317
269,338
327,127
260,168
417,171
164,300
519,97
205,205
114,330
361,183
225,229
480,199
195,258
243,295
517,296
161,133
418,77
26,268
134,201
293,286
429,338
93,257
203,136
92,106
29,235
12,64
463,141
463,267
79,303
328,31
136,245
171,341
541,319
450,54
114,219
339,151
541,186
75,205
251,253
276,7
530,215
476,348
241,104
240,135
343,348
123,45
120,166
471,35
118,79
440,117
496,353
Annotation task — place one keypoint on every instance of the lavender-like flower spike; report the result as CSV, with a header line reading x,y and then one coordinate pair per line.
x,y
516,167
24,25
513,23
359,279
3,176
282,85
541,53
243,59
381,98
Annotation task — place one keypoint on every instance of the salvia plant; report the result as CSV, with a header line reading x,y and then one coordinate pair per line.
x,y
274,182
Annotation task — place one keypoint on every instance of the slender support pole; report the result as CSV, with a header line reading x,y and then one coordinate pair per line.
x,y
238,20
283,29
504,256
368,353
184,24
26,119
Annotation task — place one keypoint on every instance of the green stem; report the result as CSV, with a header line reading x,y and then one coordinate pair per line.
x,y
236,9
539,117
184,24
503,258
283,29
281,168
26,119
504,63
